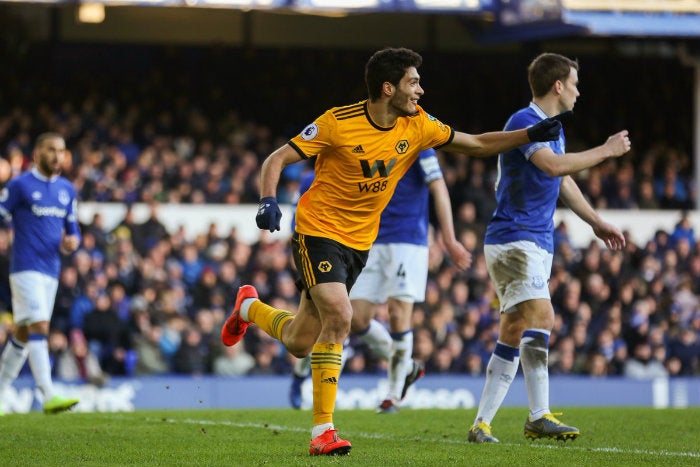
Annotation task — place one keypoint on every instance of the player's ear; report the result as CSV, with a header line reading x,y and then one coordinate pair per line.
x,y
558,86
388,88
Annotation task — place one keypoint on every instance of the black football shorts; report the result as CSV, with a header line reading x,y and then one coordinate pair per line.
x,y
321,260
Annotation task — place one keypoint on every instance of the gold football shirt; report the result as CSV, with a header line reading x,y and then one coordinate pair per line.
x,y
357,168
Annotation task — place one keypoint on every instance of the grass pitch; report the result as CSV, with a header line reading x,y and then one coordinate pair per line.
x,y
610,436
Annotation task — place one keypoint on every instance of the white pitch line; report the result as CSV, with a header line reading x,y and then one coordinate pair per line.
x,y
620,451
350,434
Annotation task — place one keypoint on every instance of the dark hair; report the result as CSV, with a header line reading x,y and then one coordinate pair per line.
x,y
389,64
546,69
46,136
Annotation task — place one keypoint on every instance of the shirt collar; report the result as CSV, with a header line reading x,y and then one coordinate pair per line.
x,y
40,176
538,110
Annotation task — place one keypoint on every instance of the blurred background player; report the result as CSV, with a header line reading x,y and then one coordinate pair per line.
x,y
519,246
43,208
396,274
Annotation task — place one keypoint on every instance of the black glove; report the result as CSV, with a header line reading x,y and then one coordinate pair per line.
x,y
269,214
546,130
564,116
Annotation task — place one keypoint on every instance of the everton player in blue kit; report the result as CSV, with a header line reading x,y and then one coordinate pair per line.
x,y
397,268
396,274
42,208
519,246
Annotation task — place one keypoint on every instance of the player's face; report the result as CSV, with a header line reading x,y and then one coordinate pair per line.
x,y
569,91
49,156
405,98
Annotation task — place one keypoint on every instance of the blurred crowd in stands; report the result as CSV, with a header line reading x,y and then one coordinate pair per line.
x,y
139,300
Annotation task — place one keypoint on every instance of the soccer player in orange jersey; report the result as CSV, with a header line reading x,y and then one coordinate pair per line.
x,y
362,151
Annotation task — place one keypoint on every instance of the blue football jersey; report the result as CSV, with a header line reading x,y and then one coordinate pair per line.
x,y
304,184
405,218
526,196
41,209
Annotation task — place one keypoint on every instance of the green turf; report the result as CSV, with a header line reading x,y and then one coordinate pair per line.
x,y
610,436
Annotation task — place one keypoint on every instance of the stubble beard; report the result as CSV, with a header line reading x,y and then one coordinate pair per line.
x,y
48,169
401,111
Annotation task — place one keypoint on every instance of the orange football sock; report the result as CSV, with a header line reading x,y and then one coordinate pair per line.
x,y
325,372
271,320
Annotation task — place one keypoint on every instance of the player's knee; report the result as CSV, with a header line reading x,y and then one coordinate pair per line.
x,y
39,327
300,348
21,333
360,323
512,333
300,353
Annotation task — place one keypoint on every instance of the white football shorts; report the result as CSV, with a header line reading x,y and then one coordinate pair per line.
x,y
520,271
396,270
33,296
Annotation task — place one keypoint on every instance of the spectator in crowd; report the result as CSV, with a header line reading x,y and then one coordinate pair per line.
x,y
66,297
563,357
120,302
233,361
97,229
147,345
192,356
58,344
671,190
78,363
173,327
204,289
107,337
685,346
645,195
683,229
643,364
127,228
192,265
596,365
152,231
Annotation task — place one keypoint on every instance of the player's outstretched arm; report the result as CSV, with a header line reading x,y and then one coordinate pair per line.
x,y
571,195
572,162
496,142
